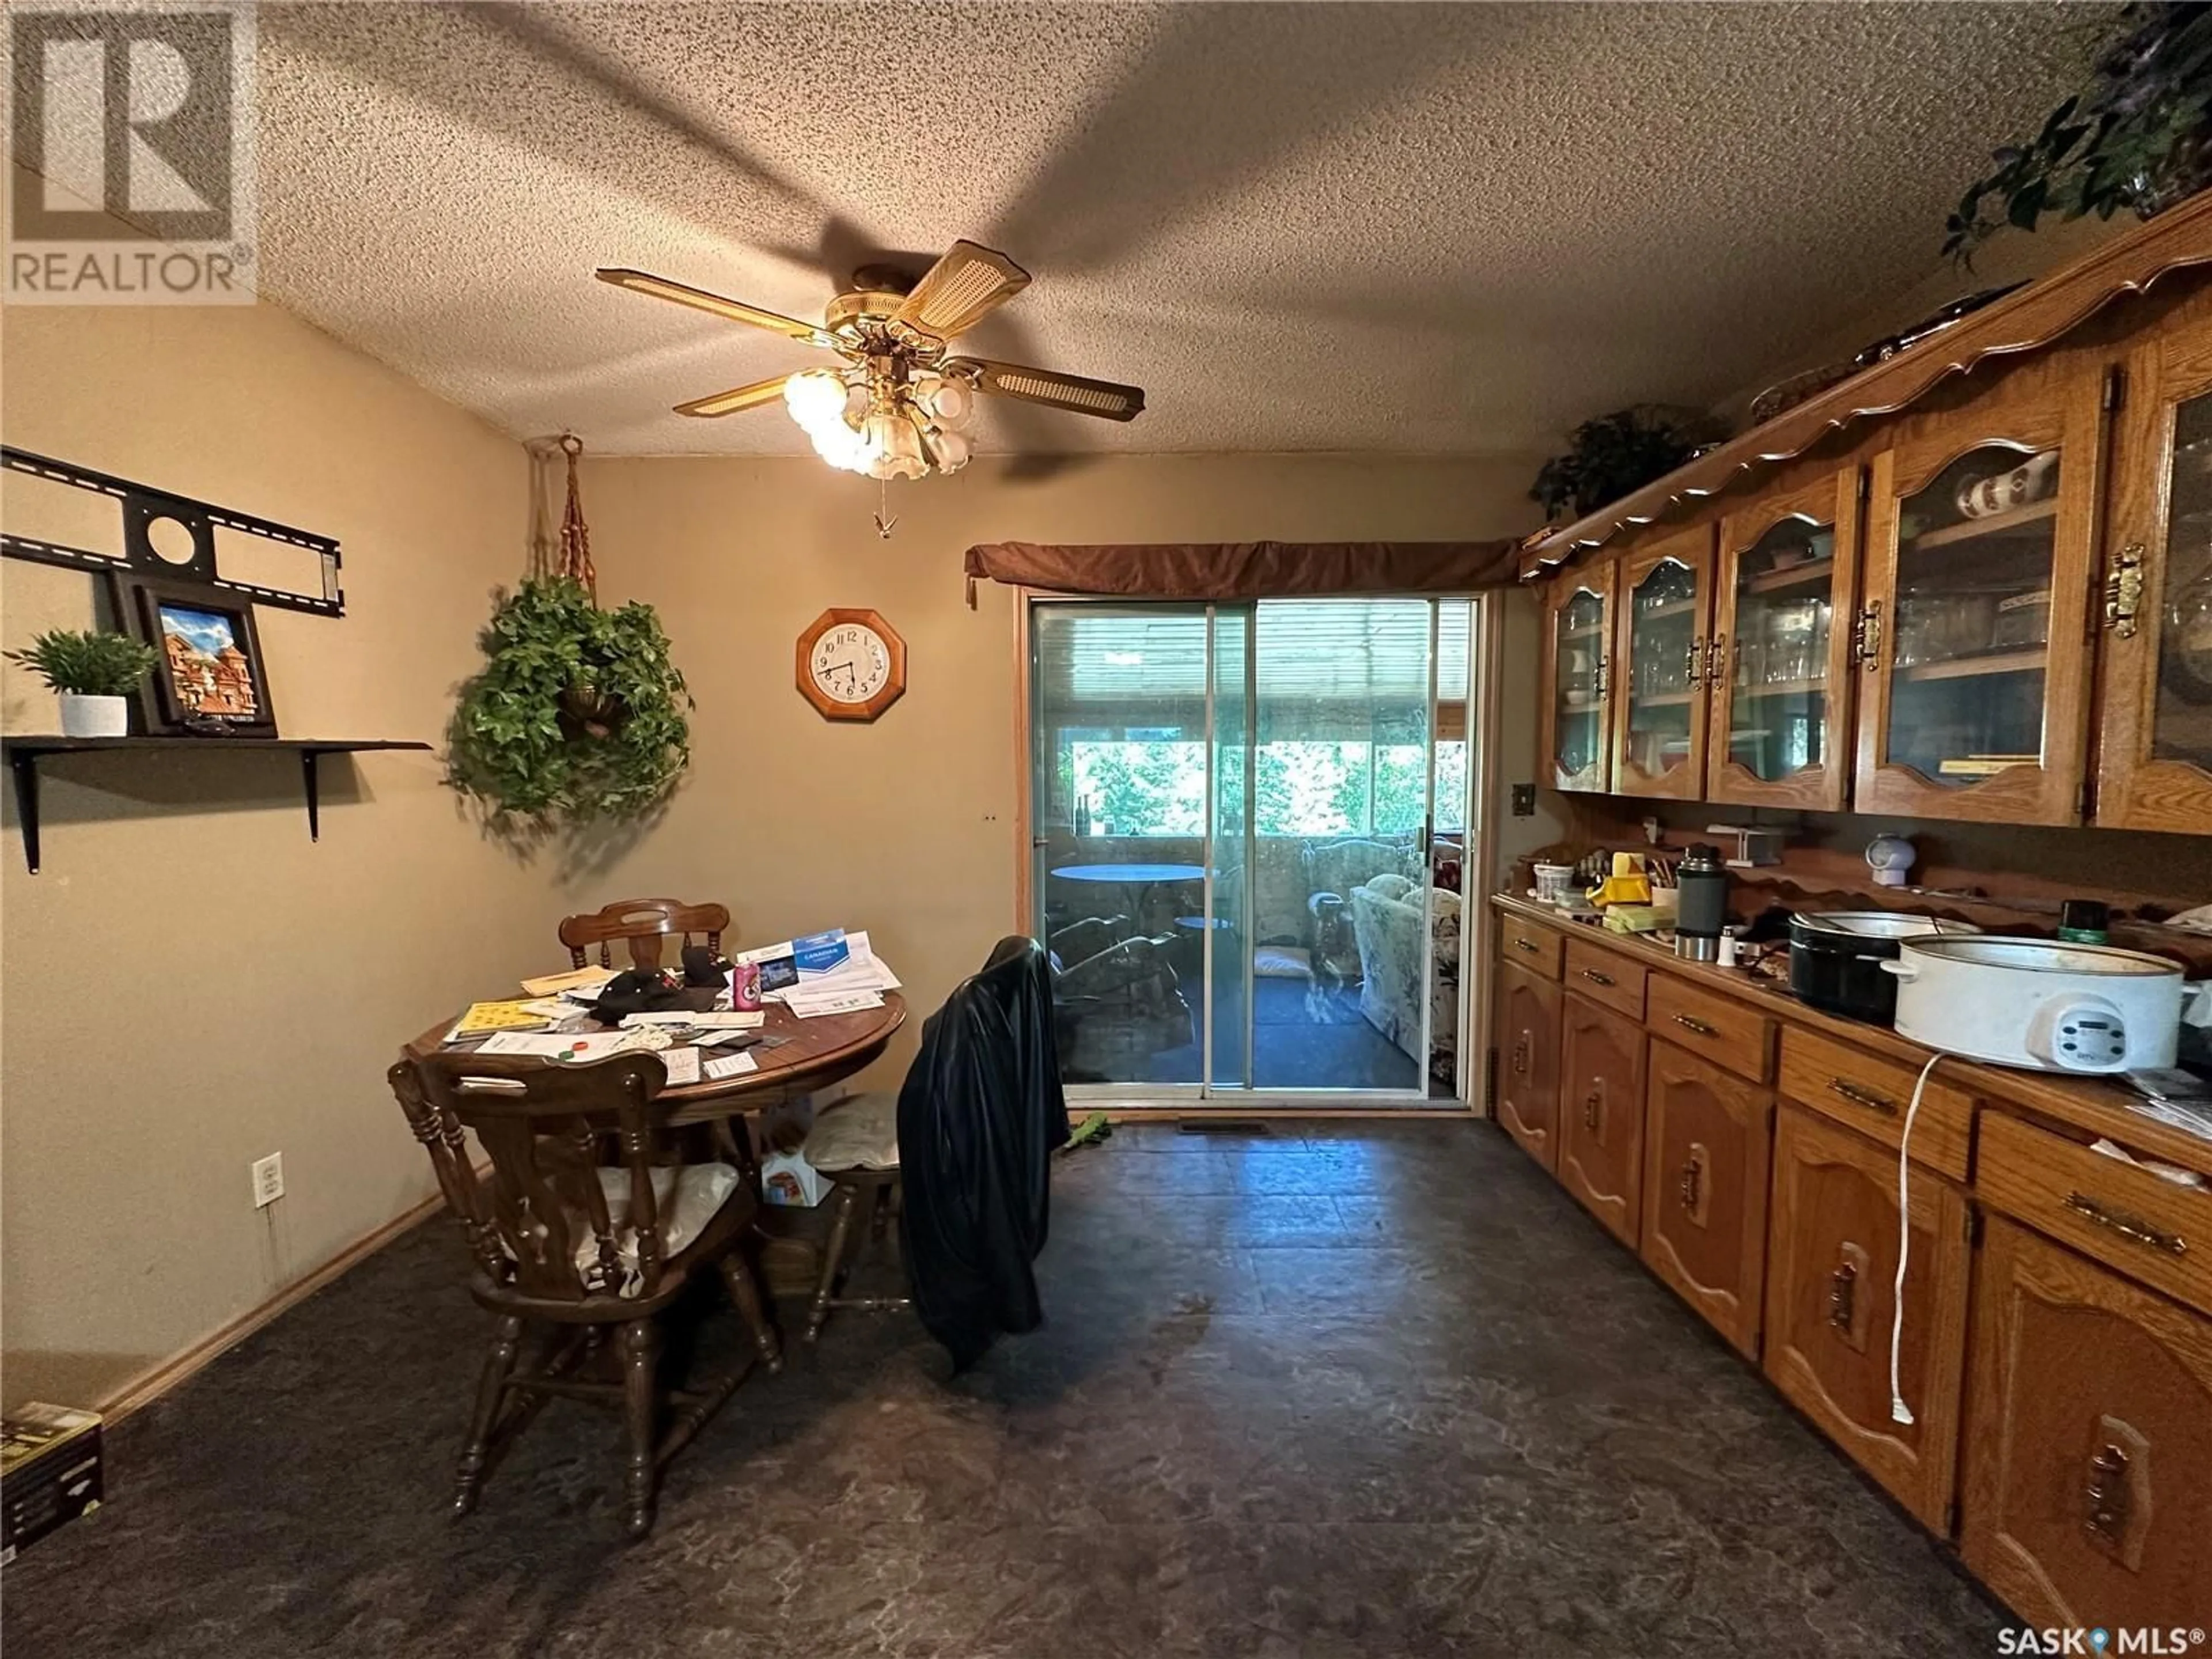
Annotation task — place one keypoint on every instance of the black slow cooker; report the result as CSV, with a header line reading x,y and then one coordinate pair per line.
x,y
1836,957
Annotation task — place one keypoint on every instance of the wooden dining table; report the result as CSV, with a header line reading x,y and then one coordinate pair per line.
x,y
811,1056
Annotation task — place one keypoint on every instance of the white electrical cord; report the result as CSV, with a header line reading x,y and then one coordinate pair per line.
x,y
1899,1411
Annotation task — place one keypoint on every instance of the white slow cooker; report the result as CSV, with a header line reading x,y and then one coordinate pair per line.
x,y
2044,1005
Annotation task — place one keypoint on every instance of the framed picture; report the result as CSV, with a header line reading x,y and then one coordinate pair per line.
x,y
210,681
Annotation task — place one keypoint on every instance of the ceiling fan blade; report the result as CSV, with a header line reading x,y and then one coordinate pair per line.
x,y
740,398
961,289
1071,393
659,287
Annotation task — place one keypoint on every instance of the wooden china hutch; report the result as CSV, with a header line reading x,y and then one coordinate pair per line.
x,y
1973,582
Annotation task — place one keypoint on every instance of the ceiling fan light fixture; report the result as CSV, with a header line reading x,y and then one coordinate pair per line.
x,y
894,445
948,449
951,402
816,399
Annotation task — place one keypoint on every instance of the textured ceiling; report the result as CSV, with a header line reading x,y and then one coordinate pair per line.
x,y
1426,228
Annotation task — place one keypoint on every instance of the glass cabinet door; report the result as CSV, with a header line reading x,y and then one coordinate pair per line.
x,y
1780,667
1664,594
1578,669
2156,747
1972,641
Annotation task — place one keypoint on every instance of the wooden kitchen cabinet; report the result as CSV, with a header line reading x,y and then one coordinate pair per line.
x,y
1971,642
2088,1480
1707,1136
1831,1265
1601,1118
1660,705
1528,1028
1778,672
2154,749
1578,677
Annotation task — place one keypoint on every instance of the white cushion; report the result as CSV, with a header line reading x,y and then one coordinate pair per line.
x,y
685,1197
858,1132
1389,886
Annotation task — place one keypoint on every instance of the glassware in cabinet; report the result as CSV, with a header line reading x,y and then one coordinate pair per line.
x,y
1779,666
1578,669
1661,639
2155,745
1972,643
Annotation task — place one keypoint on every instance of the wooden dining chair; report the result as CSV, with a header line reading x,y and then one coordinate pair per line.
x,y
580,1239
642,924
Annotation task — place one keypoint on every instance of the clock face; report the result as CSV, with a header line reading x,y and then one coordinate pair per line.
x,y
850,663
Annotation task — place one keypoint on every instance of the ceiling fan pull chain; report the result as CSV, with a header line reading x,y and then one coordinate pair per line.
x,y
575,539
883,525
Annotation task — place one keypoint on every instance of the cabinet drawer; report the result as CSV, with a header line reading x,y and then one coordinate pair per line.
x,y
1871,1096
1536,948
2153,1231
1604,976
1727,1033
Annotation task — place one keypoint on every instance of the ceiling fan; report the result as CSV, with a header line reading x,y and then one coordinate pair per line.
x,y
897,407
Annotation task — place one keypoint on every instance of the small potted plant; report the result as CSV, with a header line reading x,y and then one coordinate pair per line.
x,y
95,673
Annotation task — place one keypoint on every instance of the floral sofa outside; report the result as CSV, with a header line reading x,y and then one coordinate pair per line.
x,y
1386,922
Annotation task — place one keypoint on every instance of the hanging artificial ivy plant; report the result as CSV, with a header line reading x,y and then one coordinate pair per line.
x,y
2139,136
579,714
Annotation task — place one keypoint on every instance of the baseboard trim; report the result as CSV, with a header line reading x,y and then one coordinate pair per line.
x,y
150,1385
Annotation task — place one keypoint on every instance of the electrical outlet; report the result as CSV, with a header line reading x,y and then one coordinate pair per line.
x,y
1524,800
268,1180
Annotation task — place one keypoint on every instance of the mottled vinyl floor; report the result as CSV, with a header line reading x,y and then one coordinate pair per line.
x,y
1374,1389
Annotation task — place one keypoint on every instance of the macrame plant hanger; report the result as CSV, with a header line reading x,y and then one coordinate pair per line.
x,y
576,558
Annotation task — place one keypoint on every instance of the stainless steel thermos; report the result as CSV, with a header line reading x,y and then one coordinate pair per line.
x,y
1704,904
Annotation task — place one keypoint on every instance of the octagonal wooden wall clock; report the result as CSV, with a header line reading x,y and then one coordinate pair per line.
x,y
850,664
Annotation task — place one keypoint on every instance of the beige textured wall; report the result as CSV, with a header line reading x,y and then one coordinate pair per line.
x,y
190,983
906,827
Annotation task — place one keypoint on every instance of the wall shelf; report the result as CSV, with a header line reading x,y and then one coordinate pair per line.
x,y
1997,524
24,754
1975,668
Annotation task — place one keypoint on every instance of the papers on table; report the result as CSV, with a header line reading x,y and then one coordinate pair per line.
x,y
682,1064
728,1066
499,1016
721,1020
813,1005
580,979
829,973
586,1046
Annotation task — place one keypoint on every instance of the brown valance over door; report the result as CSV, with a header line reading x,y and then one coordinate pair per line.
x,y
1246,570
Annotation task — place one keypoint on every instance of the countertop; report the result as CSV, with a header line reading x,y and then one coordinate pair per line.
x,y
2095,1109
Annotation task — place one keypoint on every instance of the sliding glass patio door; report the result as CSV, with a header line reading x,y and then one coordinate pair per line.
x,y
1237,861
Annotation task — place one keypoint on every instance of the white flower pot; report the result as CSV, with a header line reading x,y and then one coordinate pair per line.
x,y
94,717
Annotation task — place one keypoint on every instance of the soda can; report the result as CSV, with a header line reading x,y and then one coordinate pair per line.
x,y
744,987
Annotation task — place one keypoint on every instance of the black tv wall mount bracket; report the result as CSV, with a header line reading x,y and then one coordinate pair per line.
x,y
143,507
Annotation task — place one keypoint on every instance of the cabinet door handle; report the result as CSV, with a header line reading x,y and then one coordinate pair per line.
x,y
1604,668
1696,1027
2127,1226
1843,1296
1521,1055
1859,1097
1692,662
1690,1185
1866,638
2108,1494
1596,978
1717,660
1593,1106
1528,944
2123,587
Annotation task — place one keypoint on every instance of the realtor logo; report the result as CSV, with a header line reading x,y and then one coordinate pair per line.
x,y
131,131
